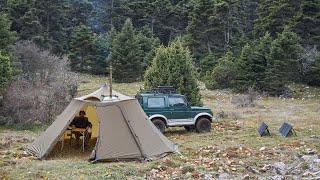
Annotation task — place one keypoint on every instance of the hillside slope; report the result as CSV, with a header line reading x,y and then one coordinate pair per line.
x,y
232,150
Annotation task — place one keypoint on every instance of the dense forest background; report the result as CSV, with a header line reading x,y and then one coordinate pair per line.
x,y
239,44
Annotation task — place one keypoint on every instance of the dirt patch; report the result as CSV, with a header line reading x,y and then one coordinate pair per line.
x,y
227,126
3,175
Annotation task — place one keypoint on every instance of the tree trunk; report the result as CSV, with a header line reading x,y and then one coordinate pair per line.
x,y
209,47
152,24
111,11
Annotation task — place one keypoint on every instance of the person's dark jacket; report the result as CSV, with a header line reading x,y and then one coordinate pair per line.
x,y
81,122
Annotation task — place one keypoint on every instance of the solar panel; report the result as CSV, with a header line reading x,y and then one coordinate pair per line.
x,y
263,130
286,130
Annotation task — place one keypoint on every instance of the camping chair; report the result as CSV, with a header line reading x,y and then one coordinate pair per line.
x,y
86,137
85,134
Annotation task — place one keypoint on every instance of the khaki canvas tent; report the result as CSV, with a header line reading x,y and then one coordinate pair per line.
x,y
120,125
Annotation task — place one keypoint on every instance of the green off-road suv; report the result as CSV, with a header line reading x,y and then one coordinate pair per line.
x,y
165,108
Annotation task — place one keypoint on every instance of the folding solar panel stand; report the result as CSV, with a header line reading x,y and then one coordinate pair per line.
x,y
263,130
287,130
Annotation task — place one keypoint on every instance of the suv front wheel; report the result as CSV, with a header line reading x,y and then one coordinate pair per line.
x,y
203,125
159,124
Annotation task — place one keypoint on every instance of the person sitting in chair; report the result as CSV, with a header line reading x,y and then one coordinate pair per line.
x,y
80,122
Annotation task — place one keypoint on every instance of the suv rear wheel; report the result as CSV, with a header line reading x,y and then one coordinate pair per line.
x,y
203,125
160,125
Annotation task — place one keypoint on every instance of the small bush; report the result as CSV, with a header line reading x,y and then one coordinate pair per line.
x,y
43,87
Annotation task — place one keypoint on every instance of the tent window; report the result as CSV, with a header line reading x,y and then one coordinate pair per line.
x,y
156,102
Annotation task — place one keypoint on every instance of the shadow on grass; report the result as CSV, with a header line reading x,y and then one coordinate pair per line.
x,y
72,150
178,131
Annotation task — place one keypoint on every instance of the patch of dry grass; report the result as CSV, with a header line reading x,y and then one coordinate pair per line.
x,y
232,147
90,83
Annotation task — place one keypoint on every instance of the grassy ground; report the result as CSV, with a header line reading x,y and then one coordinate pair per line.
x,y
233,147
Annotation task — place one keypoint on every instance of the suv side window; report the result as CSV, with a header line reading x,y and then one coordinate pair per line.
x,y
177,102
156,102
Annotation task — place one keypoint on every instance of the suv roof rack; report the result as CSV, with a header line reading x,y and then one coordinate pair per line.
x,y
162,90
165,89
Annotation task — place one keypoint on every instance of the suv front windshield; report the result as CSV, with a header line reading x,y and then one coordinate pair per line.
x,y
177,102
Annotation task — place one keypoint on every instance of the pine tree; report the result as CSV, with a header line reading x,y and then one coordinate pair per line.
x,y
223,75
59,18
252,64
100,52
162,19
172,66
250,8
166,19
16,10
203,30
126,55
5,70
283,63
98,15
216,27
88,52
44,22
260,59
52,16
274,16
148,45
81,45
79,12
274,82
31,26
207,63
7,37
287,48
245,77
312,74
307,23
